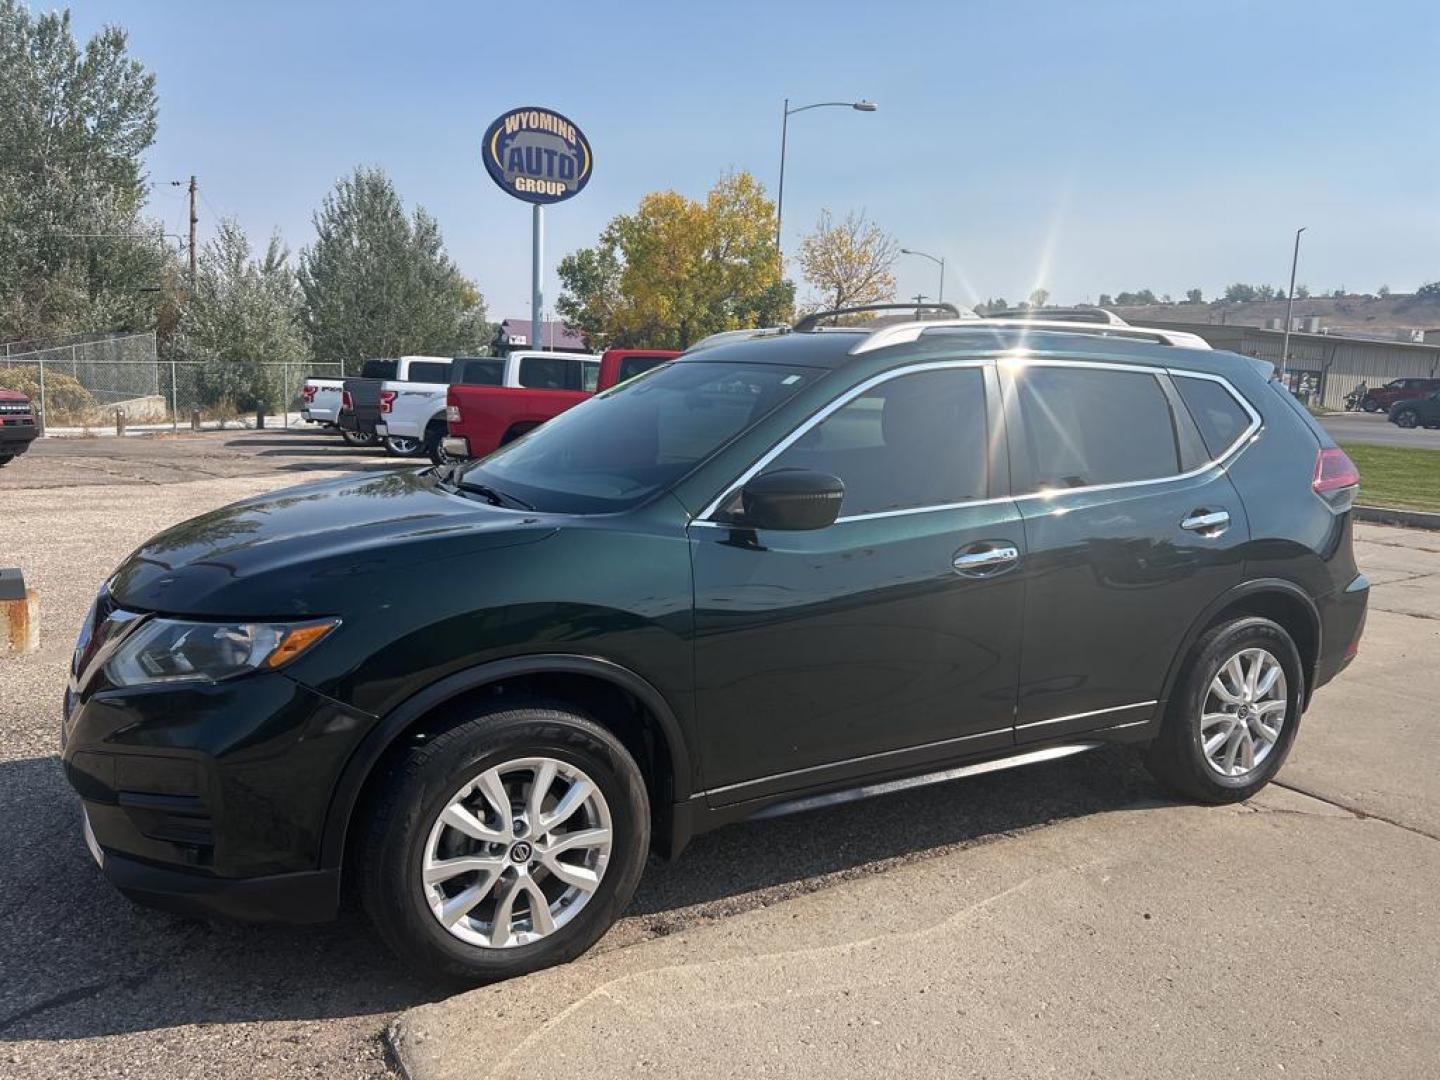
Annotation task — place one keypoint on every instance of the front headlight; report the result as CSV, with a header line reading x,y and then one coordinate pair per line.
x,y
171,650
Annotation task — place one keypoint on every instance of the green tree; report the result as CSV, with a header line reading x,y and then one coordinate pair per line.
x,y
1241,291
243,320
1194,296
1428,290
1302,292
76,253
849,262
1383,292
1039,297
377,282
676,270
1106,300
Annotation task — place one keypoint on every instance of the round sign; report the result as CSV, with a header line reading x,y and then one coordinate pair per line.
x,y
537,155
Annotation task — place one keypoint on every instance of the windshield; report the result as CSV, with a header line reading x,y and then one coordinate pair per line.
x,y
619,448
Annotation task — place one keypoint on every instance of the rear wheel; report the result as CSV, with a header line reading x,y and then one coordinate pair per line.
x,y
507,844
403,446
1405,418
435,442
1370,405
1234,715
358,438
5,459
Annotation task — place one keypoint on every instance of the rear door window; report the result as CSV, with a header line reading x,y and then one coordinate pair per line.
x,y
429,371
638,365
547,373
478,372
914,441
379,369
1089,426
1220,418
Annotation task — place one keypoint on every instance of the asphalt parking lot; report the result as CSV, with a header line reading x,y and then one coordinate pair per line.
x,y
1097,925
1376,429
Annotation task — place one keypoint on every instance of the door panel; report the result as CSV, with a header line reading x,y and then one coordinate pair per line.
x,y
814,648
1130,536
1113,582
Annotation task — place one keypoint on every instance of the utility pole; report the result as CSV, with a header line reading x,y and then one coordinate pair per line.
x,y
194,221
919,299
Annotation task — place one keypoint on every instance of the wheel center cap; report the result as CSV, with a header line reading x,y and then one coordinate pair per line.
x,y
520,852
1243,712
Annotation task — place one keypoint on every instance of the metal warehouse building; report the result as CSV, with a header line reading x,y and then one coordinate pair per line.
x,y
1323,367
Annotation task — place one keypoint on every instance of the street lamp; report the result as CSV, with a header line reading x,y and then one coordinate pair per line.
x,y
1290,306
858,106
940,262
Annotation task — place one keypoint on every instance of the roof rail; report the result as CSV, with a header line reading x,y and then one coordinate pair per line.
x,y
1075,315
725,336
902,333
811,322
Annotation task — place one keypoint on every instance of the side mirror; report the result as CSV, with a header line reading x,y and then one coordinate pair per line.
x,y
792,499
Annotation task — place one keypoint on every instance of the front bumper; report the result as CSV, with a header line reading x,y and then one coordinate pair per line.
x,y
16,434
213,798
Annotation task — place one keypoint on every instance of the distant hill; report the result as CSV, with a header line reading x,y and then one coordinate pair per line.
x,y
1370,316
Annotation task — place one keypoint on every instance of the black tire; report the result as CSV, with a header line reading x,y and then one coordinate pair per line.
x,y
435,433
1176,757
1405,418
358,438
5,459
1370,405
418,786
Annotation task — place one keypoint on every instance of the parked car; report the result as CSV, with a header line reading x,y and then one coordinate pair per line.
x,y
493,402
1383,397
320,400
19,424
774,574
1417,412
372,395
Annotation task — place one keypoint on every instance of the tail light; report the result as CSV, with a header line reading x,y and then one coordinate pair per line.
x,y
308,395
387,399
346,401
452,414
1336,478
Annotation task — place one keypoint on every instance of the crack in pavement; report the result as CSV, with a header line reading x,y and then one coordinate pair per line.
x,y
1357,811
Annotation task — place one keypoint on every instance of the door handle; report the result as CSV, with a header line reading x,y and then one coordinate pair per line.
x,y
1209,522
981,561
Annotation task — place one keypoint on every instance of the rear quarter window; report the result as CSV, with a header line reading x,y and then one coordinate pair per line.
x,y
1220,418
429,371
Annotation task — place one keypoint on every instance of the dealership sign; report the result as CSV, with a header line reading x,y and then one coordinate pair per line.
x,y
537,155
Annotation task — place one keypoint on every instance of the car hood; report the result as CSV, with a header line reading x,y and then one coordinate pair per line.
x,y
315,549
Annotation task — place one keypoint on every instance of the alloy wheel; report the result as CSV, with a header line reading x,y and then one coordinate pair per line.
x,y
403,445
1405,419
516,853
1245,710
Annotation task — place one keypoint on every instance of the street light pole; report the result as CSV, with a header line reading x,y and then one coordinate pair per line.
x,y
858,106
1290,306
940,262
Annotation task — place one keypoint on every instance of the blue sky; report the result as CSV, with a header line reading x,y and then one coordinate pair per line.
x,y
1088,147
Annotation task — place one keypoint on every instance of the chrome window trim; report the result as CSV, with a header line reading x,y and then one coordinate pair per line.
x,y
703,518
1010,360
1220,461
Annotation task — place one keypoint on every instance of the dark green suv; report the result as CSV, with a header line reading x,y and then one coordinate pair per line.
x,y
776,572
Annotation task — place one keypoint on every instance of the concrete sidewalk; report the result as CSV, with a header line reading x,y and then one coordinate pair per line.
x,y
1282,936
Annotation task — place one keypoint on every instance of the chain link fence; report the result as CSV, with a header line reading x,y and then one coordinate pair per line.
x,y
122,381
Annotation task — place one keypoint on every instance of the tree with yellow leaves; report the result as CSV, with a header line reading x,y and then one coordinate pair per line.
x,y
676,270
849,262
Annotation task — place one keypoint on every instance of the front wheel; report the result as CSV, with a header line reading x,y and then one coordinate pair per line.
x,y
5,459
507,844
358,438
1370,405
1234,715
1405,418
403,446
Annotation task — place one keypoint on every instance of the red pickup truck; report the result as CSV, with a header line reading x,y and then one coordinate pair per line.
x,y
19,424
494,400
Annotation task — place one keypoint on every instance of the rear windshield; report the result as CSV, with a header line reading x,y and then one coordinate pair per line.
x,y
619,448
631,366
483,372
379,369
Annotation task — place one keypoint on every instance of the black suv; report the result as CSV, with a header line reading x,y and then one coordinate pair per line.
x,y
1417,412
773,573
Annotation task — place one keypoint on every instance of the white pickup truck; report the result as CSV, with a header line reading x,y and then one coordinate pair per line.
x,y
402,403
320,400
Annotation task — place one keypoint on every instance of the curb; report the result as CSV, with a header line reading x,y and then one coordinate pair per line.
x,y
1409,519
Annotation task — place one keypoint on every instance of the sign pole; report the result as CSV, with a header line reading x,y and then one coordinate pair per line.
x,y
537,298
